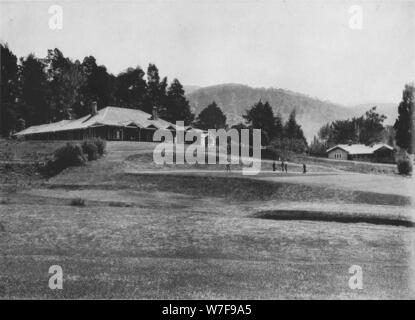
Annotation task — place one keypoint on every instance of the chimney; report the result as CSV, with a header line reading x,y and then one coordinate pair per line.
x,y
94,108
155,115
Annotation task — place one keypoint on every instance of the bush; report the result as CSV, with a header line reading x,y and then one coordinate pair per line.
x,y
404,166
64,157
78,202
70,155
90,148
101,145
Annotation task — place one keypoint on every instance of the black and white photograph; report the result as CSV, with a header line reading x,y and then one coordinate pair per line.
x,y
207,150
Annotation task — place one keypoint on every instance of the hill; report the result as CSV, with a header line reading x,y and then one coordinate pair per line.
x,y
235,99
190,88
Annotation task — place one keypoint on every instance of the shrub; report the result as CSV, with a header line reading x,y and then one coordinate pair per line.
x,y
404,166
67,156
78,202
101,145
90,148
70,154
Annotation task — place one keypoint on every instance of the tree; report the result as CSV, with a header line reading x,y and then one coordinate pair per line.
x,y
156,90
279,127
285,146
130,89
371,127
261,116
324,132
38,91
239,126
389,136
317,148
292,129
8,90
20,124
211,117
99,86
344,131
177,107
292,140
404,125
33,103
66,79
366,129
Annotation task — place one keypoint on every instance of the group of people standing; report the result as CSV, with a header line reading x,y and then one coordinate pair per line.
x,y
284,166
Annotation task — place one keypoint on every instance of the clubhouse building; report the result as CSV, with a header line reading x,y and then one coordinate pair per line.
x,y
109,123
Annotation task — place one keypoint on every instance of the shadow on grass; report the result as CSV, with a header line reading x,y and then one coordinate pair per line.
x,y
238,188
333,217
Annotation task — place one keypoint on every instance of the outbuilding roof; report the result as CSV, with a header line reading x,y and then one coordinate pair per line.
x,y
354,149
110,116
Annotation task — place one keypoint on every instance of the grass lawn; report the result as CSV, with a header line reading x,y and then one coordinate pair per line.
x,y
201,235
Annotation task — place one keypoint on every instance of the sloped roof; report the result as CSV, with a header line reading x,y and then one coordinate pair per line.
x,y
354,149
110,116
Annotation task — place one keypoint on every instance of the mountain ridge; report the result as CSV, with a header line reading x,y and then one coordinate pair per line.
x,y
312,113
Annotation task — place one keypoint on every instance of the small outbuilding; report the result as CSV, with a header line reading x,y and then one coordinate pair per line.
x,y
379,152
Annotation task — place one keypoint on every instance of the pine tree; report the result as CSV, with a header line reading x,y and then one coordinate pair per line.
x,y
8,90
155,90
404,125
211,117
34,105
261,116
294,139
177,107
279,127
292,129
99,86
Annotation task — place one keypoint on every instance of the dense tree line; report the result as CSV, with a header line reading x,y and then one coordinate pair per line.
x,y
288,136
279,136
275,134
369,128
41,90
366,129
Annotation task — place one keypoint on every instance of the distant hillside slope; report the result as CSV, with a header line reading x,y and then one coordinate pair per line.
x,y
235,99
190,88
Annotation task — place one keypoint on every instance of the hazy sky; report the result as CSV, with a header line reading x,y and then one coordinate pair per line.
x,y
304,46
